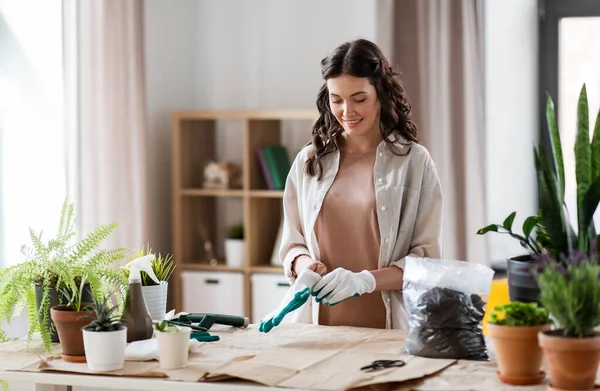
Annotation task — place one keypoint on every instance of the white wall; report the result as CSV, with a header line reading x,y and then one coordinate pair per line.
x,y
511,78
236,54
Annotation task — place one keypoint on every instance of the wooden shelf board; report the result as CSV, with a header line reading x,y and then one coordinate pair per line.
x,y
190,192
206,267
267,269
266,193
246,114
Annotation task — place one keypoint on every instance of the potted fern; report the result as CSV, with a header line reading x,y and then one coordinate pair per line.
x,y
69,319
105,338
234,246
513,329
173,345
155,294
569,274
59,262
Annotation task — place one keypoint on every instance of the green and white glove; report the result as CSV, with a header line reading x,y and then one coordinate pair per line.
x,y
296,296
341,284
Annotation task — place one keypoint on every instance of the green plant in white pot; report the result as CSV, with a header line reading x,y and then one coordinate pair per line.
x,y
234,246
569,274
155,295
38,283
173,345
105,338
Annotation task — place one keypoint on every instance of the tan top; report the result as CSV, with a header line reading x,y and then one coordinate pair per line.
x,y
348,236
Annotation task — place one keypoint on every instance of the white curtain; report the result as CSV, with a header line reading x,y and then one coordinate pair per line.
x,y
107,117
438,47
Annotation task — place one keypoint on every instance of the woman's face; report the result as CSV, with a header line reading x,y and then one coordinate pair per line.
x,y
353,101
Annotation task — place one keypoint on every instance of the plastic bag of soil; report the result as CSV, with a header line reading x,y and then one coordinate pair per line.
x,y
445,301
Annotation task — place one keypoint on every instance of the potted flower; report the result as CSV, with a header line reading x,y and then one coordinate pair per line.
x,y
105,338
155,294
514,329
69,320
569,274
234,246
58,262
173,345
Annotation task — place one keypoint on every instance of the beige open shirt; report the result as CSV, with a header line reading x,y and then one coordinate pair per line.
x,y
409,203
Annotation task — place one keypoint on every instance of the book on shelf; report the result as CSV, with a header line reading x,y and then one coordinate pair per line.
x,y
275,165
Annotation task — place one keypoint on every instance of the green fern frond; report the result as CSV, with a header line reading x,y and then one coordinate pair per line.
x,y
93,240
4,384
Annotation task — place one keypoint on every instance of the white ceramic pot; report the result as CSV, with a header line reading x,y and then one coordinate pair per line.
x,y
234,252
105,350
156,300
173,348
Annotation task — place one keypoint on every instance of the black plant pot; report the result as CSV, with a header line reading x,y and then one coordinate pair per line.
x,y
39,292
522,285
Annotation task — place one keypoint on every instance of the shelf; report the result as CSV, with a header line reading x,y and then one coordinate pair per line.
x,y
191,192
266,193
267,269
247,114
213,268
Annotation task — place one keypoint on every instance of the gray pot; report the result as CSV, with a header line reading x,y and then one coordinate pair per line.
x,y
522,285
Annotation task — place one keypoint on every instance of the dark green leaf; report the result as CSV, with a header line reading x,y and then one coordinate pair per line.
x,y
596,149
550,205
583,161
489,228
556,145
530,224
589,205
509,221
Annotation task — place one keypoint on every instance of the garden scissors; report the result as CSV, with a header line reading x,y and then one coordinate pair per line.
x,y
380,364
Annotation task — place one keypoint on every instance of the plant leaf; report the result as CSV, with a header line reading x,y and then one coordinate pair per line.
x,y
550,205
583,162
489,228
589,205
507,224
556,145
596,149
530,224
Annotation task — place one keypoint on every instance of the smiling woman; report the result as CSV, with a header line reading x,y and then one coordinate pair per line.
x,y
361,197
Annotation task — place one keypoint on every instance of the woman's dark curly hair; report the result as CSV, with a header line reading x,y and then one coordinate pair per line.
x,y
360,58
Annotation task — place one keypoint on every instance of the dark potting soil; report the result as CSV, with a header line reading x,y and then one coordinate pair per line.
x,y
444,323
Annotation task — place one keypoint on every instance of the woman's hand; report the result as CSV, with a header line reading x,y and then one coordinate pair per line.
x,y
304,262
341,284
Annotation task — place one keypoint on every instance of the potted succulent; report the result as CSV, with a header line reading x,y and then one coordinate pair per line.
x,y
522,285
173,345
155,294
514,329
58,262
568,273
105,338
69,320
234,246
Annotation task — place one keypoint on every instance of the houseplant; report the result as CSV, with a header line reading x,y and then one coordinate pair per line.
x,y
569,274
514,329
105,338
155,294
173,345
522,285
234,245
69,319
58,262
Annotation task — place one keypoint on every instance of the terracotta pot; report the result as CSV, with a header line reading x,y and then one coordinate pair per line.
x,y
68,326
518,352
572,362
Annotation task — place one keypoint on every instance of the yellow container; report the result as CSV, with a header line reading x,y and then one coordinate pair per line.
x,y
498,296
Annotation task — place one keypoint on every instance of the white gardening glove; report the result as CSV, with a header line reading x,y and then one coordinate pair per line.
x,y
295,297
342,284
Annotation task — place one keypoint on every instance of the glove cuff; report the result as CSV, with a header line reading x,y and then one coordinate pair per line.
x,y
369,279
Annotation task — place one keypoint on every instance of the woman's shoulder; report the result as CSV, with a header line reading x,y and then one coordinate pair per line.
x,y
413,153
